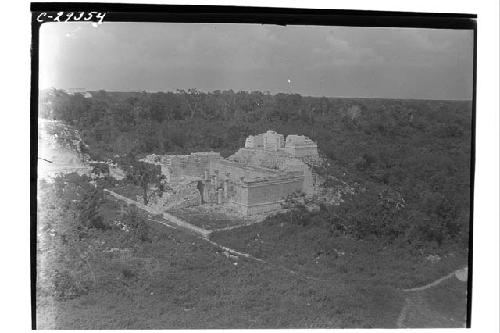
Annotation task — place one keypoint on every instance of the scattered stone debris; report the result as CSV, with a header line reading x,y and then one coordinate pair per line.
x,y
339,253
433,258
313,208
461,274
230,256
118,251
121,225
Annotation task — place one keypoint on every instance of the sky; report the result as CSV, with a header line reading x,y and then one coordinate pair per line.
x,y
308,60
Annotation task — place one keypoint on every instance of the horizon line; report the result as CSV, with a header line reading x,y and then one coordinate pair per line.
x,y
68,90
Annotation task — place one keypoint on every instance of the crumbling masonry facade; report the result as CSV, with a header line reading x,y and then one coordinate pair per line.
x,y
254,180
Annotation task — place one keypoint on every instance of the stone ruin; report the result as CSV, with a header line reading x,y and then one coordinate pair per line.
x,y
295,146
255,180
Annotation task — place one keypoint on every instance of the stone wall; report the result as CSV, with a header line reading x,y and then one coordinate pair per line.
x,y
181,195
254,180
279,160
296,146
193,165
302,151
259,157
250,189
273,141
235,171
177,167
308,177
299,146
255,141
259,197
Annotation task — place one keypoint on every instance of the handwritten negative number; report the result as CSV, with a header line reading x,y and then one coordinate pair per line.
x,y
71,16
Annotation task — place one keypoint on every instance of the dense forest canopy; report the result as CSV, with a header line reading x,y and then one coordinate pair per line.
x,y
418,148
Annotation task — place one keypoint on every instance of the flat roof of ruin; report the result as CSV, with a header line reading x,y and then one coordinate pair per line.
x,y
268,175
248,167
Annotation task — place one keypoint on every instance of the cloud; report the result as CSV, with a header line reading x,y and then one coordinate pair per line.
x,y
348,61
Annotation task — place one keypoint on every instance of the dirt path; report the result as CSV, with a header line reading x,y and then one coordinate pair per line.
x,y
230,253
169,217
435,283
415,312
418,313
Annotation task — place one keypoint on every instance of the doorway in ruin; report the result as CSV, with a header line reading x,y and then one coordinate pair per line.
x,y
201,187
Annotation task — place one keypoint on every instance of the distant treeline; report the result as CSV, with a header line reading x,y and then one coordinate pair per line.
x,y
420,148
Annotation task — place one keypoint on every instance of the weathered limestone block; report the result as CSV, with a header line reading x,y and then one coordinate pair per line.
x,y
273,141
176,167
300,146
256,141
278,161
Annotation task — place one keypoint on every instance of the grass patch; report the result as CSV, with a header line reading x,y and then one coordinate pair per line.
x,y
177,280
314,250
449,298
441,306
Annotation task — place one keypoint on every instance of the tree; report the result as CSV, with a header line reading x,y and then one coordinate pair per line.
x,y
137,225
296,204
192,99
68,210
89,212
144,174
415,147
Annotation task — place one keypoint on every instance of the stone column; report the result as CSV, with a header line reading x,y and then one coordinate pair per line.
x,y
226,181
216,180
219,196
206,175
205,198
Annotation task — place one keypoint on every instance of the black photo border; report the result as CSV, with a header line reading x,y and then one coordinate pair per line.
x,y
121,12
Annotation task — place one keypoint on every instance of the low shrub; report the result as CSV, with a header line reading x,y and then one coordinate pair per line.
x,y
128,273
139,228
66,285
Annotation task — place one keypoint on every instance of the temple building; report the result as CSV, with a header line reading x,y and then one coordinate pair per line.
x,y
255,180
294,145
